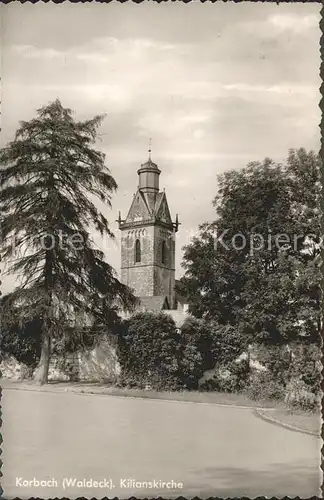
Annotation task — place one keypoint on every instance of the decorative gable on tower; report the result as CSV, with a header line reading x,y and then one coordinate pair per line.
x,y
162,209
139,210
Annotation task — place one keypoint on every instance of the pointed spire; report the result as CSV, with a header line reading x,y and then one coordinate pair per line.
x,y
149,163
177,223
119,220
150,149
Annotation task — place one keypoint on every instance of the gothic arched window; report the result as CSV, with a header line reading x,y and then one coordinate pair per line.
x,y
163,252
137,251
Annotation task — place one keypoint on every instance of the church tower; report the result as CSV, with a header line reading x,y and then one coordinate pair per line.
x,y
148,241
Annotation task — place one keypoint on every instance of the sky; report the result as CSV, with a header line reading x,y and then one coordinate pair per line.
x,y
214,85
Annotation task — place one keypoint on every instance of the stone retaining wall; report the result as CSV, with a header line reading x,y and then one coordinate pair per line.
x,y
99,364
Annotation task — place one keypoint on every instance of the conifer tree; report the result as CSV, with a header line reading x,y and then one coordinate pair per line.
x,y
50,178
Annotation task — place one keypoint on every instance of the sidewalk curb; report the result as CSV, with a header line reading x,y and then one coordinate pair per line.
x,y
224,405
82,392
259,413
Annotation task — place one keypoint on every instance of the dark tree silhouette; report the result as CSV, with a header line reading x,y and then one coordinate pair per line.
x,y
51,174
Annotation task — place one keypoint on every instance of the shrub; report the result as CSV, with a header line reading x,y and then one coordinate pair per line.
x,y
23,342
297,395
227,378
206,345
262,386
240,373
130,381
277,360
293,375
148,351
227,343
190,366
305,366
195,351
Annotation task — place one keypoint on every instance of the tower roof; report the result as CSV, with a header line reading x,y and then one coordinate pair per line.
x,y
149,164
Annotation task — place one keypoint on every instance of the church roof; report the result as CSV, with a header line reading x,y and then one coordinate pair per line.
x,y
158,200
180,292
162,209
181,298
138,208
154,303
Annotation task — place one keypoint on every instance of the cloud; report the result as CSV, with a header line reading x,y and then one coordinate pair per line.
x,y
180,122
293,22
31,52
214,85
277,89
276,24
100,50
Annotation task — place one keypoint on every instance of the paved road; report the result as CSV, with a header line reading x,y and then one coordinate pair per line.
x,y
213,451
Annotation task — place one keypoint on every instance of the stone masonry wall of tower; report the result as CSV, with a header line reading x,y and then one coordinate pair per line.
x,y
148,266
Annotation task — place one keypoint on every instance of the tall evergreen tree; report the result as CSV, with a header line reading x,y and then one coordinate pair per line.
x,y
51,175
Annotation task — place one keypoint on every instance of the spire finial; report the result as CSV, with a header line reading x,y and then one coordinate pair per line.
x,y
150,148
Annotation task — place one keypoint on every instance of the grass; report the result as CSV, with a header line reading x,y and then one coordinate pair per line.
x,y
185,396
308,421
190,396
110,390
301,419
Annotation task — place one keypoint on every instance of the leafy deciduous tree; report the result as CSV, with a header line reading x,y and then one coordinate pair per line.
x,y
256,266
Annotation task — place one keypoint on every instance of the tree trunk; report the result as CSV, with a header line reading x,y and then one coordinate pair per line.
x,y
249,358
43,366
